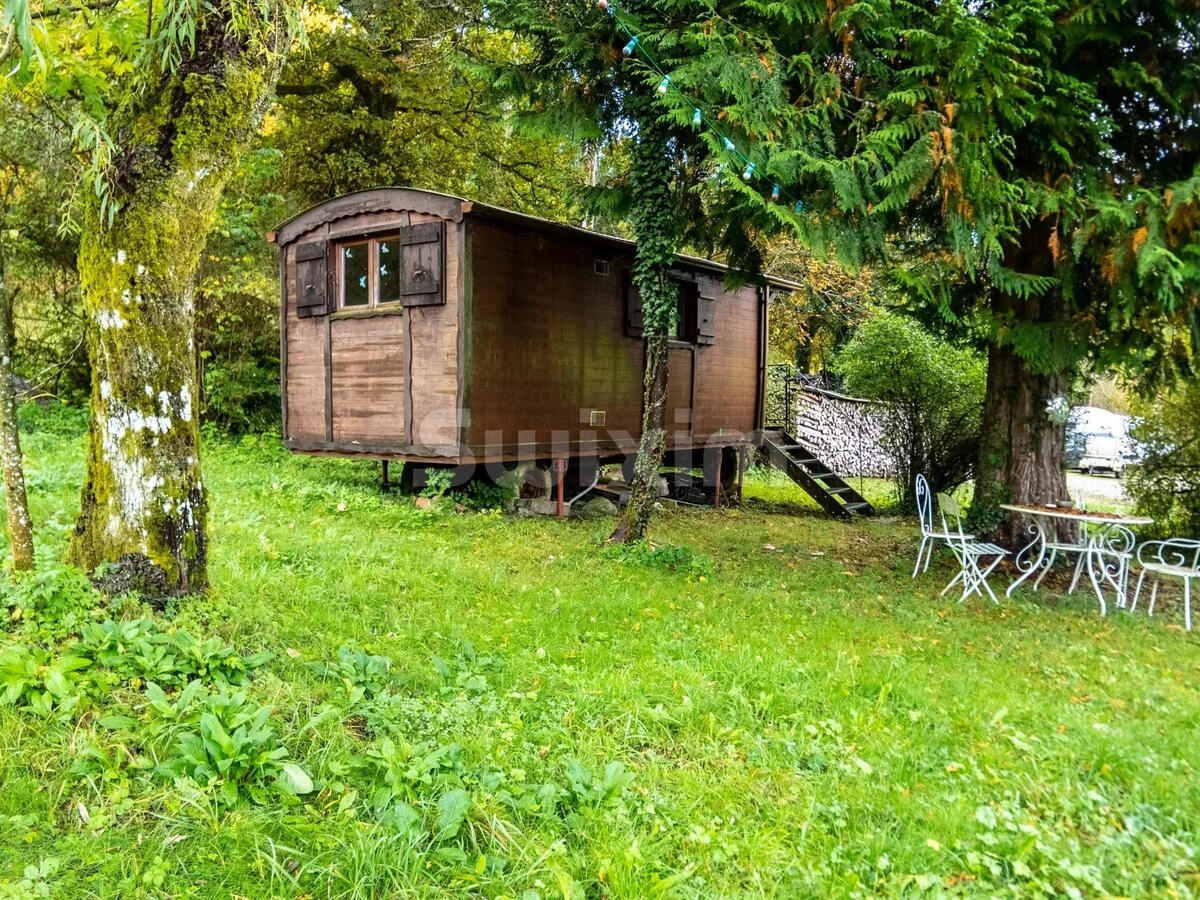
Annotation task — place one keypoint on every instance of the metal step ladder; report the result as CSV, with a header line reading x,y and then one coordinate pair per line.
x,y
818,480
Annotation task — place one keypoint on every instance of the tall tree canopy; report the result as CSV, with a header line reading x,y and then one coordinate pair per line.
x,y
1053,163
382,97
1038,157
722,102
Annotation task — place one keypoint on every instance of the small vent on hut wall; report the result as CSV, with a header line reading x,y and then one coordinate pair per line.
x,y
596,418
602,267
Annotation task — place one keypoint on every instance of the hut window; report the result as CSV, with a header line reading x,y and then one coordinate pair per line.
x,y
356,272
387,270
369,272
686,312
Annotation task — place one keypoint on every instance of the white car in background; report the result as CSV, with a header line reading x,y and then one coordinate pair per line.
x,y
1105,453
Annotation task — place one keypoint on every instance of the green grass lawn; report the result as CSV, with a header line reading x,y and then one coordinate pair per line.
x,y
766,705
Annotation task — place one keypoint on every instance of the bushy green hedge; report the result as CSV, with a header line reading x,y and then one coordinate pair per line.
x,y
930,393
1166,483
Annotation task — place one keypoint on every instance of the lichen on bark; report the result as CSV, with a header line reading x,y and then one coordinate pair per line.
x,y
144,503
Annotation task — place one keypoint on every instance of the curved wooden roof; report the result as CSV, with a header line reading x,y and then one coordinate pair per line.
x,y
453,209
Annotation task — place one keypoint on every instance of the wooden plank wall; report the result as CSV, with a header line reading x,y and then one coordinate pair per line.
x,y
434,357
304,361
369,379
548,344
386,369
727,372
681,364
547,336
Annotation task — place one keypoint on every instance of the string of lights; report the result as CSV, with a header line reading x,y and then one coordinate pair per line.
x,y
700,118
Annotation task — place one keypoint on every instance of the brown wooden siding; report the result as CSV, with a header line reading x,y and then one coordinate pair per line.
x,y
548,345
369,379
356,379
727,371
434,357
304,361
547,338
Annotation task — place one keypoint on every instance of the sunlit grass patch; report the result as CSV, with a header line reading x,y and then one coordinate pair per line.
x,y
759,701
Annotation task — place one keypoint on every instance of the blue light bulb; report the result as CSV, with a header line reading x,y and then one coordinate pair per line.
x,y
664,84
799,206
775,194
630,47
728,144
697,118
749,173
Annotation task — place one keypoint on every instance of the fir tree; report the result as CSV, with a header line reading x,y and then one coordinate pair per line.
x,y
1039,157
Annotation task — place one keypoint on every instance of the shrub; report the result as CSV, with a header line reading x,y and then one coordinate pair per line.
x,y
56,601
1166,483
364,675
930,393
681,560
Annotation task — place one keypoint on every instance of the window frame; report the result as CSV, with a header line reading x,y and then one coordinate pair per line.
x,y
371,242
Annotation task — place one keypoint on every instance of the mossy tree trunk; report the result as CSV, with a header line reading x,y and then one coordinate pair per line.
x,y
177,142
656,233
20,527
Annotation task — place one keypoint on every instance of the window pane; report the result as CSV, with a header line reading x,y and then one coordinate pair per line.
x,y
686,312
388,272
354,276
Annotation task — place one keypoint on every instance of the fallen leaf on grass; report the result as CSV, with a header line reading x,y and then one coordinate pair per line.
x,y
1082,698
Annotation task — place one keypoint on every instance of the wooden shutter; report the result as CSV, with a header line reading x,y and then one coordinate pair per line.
x,y
634,320
422,269
706,312
312,283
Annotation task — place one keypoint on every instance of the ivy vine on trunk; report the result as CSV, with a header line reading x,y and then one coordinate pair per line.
x,y
655,228
178,138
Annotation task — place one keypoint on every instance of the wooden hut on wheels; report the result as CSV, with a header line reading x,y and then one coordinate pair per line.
x,y
427,328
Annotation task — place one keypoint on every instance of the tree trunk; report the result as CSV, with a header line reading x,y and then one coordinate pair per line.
x,y
655,230
1022,453
20,526
643,493
144,503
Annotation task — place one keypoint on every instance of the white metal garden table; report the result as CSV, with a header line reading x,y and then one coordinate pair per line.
x,y
1104,547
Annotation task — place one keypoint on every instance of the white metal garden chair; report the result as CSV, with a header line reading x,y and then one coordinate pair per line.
x,y
929,533
1174,558
977,559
